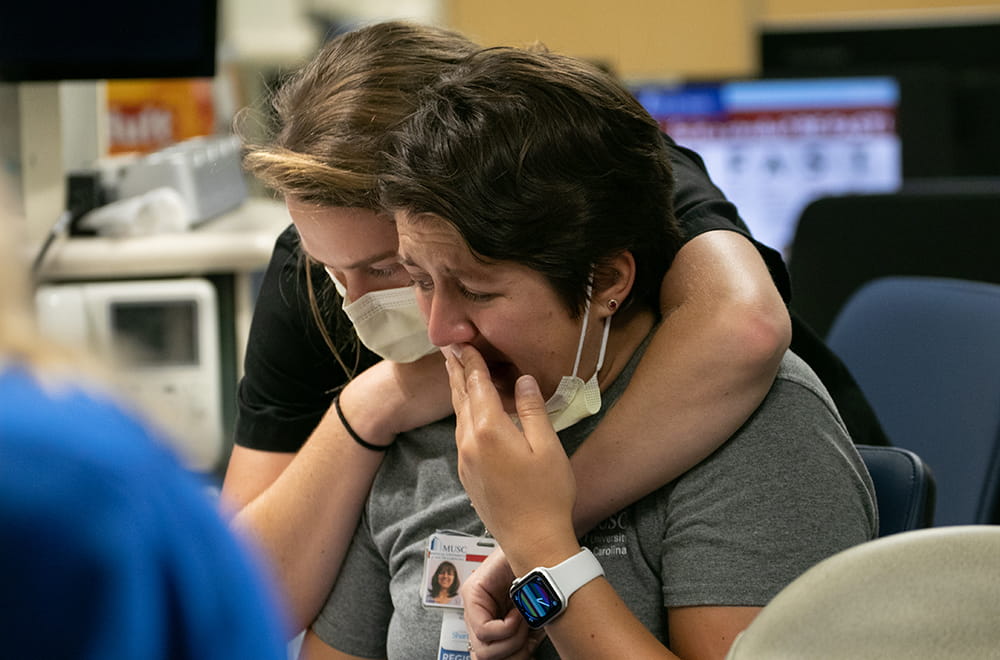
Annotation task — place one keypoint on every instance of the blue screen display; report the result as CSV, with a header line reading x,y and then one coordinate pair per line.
x,y
537,602
774,145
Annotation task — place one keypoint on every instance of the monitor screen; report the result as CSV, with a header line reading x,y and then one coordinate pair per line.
x,y
949,70
775,145
107,39
155,334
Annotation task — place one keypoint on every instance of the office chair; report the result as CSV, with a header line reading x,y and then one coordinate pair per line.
x,y
926,354
904,488
948,228
924,594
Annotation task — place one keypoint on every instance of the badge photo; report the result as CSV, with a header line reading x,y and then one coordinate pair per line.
x,y
450,559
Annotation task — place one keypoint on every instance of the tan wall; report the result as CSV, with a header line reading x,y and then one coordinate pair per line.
x,y
645,39
917,9
638,38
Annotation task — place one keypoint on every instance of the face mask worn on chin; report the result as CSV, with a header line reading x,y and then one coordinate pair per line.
x,y
574,399
388,322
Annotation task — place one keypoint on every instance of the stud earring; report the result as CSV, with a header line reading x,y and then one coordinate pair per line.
x,y
612,305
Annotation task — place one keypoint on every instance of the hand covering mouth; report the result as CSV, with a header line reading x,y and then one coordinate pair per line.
x,y
504,374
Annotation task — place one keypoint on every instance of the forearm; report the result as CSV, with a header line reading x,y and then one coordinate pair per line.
x,y
305,520
707,368
596,623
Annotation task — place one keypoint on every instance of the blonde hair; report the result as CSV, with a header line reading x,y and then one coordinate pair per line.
x,y
330,121
331,116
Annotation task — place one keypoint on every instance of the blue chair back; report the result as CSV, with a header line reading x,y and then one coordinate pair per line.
x,y
904,488
926,354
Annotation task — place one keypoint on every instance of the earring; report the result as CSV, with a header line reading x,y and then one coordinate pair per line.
x,y
612,305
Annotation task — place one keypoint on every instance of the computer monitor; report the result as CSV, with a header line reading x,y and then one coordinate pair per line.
x,y
774,145
43,44
108,39
951,64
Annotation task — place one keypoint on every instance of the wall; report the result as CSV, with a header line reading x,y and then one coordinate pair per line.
x,y
639,39
643,39
783,10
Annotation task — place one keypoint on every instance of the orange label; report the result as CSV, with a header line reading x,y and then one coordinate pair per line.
x,y
147,115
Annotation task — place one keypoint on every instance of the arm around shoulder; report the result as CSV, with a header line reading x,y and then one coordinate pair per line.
x,y
709,365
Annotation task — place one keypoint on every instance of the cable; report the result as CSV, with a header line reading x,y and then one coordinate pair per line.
x,y
58,228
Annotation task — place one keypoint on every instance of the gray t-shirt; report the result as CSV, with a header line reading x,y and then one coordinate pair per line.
x,y
787,490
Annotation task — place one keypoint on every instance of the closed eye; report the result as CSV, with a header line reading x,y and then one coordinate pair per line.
x,y
384,272
475,296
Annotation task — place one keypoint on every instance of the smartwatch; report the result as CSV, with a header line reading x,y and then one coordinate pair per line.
x,y
541,595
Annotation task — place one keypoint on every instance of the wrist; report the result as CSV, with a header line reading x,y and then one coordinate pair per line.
x,y
370,422
546,551
544,593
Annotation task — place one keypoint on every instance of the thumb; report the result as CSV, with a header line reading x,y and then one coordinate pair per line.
x,y
531,408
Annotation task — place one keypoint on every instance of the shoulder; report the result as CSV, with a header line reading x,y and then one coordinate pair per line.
x,y
795,443
786,491
797,383
287,243
797,414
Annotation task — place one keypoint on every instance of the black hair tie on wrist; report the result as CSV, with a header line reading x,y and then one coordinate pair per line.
x,y
354,434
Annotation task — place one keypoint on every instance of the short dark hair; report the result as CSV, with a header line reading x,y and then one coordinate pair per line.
x,y
542,160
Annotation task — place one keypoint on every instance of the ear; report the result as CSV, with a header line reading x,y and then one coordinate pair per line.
x,y
614,283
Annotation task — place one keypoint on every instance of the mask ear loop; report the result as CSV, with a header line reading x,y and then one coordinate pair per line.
x,y
583,334
604,344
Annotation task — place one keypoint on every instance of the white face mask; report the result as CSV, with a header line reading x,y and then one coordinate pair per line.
x,y
388,322
574,399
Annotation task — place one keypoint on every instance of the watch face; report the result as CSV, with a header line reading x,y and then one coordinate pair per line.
x,y
536,600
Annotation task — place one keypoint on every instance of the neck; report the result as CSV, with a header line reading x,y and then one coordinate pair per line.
x,y
628,328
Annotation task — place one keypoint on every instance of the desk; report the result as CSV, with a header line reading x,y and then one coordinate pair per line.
x,y
237,243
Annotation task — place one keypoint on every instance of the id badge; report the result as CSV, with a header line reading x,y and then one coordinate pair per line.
x,y
449,559
454,643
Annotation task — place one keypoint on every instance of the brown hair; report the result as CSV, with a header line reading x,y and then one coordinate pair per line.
x,y
543,160
331,117
333,113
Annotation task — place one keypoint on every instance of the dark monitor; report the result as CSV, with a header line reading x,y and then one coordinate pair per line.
x,y
958,62
107,39
937,228
773,146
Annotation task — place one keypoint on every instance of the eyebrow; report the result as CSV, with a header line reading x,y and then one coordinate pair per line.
x,y
460,274
360,263
367,261
451,272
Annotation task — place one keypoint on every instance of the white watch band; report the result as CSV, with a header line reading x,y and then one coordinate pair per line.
x,y
571,574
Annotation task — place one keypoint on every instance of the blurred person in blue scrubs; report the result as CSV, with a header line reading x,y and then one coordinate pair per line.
x,y
109,548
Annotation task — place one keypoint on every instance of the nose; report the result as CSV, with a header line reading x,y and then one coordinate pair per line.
x,y
447,322
356,287
358,284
